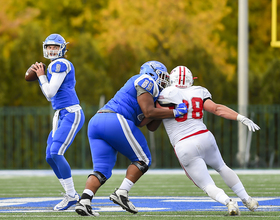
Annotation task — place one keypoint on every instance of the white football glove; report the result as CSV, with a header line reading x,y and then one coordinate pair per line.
x,y
249,123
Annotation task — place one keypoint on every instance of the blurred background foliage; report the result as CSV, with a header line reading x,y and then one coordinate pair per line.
x,y
111,39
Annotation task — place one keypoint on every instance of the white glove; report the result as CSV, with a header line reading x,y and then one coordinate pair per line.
x,y
249,123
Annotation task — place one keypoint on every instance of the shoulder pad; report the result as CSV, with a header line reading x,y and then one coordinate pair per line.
x,y
147,83
60,66
205,92
170,95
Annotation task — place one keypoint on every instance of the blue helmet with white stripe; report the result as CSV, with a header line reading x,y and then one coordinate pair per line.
x,y
54,39
157,71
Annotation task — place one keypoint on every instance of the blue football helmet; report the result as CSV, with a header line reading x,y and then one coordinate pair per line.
x,y
157,71
54,39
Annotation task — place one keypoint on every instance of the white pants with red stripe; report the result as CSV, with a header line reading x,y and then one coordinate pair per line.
x,y
198,151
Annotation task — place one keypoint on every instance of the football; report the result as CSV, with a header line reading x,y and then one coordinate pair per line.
x,y
30,75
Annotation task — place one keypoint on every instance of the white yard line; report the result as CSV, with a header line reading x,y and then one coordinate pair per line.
x,y
122,171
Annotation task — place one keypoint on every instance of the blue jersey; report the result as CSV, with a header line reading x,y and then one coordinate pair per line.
x,y
125,100
66,94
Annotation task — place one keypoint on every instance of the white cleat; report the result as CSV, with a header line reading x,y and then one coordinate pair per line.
x,y
233,208
120,197
67,202
84,208
251,204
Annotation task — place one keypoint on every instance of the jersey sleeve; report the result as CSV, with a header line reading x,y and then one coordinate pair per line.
x,y
148,84
60,66
140,90
206,94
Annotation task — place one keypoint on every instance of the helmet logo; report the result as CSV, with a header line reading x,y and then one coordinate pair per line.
x,y
155,64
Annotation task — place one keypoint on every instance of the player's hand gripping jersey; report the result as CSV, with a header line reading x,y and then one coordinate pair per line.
x,y
190,123
125,100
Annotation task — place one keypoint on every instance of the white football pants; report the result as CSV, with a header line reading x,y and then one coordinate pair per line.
x,y
195,153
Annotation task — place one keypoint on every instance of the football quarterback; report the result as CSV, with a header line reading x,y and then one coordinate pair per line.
x,y
58,86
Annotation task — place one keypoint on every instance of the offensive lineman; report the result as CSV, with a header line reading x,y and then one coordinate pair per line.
x,y
58,86
194,145
114,129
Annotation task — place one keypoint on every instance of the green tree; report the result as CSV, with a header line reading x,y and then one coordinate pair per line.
x,y
91,76
111,39
175,34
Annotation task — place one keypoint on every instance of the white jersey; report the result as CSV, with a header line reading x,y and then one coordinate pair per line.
x,y
190,123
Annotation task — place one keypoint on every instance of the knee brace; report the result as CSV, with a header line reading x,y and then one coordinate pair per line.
x,y
141,166
102,179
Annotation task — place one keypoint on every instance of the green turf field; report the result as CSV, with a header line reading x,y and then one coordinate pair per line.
x,y
257,185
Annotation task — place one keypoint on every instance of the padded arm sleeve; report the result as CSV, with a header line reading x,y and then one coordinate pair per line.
x,y
49,89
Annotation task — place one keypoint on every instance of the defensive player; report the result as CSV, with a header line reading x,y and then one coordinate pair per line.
x,y
58,86
194,145
114,129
